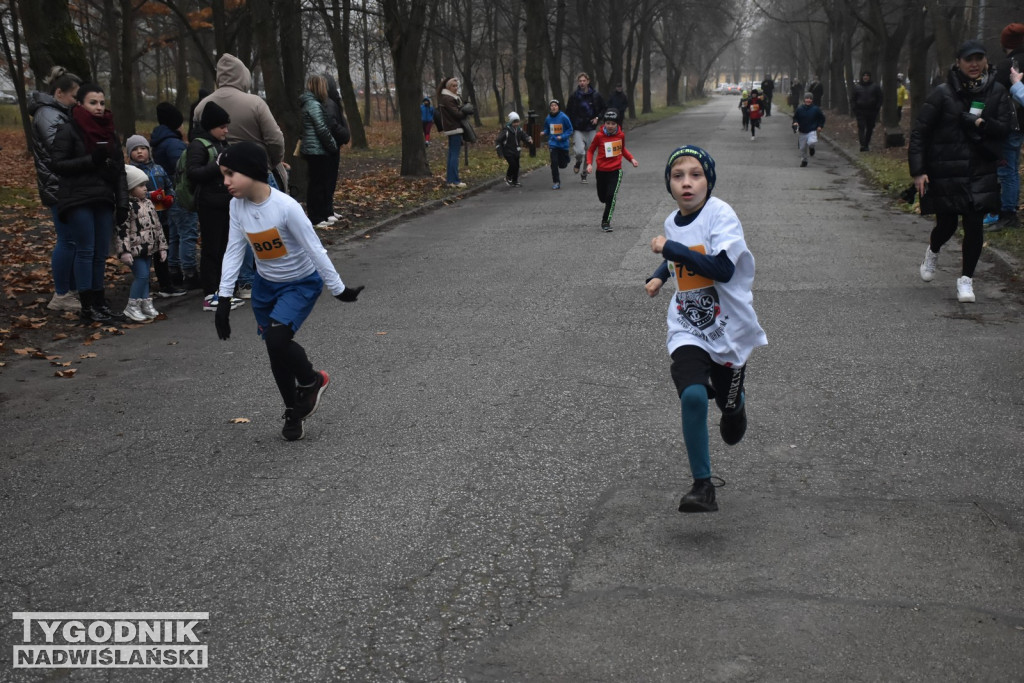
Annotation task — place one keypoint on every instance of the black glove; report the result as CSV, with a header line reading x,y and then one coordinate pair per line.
x,y
350,294
220,318
100,156
120,215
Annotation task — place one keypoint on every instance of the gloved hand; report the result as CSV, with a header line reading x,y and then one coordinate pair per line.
x,y
220,318
100,156
120,215
163,255
127,259
156,196
350,294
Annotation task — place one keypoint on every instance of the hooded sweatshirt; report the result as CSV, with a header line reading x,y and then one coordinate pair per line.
x,y
251,119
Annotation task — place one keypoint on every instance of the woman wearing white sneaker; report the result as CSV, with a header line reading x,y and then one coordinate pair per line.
x,y
319,150
955,147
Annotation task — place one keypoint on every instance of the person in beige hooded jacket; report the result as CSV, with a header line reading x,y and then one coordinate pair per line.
x,y
251,119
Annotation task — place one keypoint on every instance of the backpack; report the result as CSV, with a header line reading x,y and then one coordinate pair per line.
x,y
184,190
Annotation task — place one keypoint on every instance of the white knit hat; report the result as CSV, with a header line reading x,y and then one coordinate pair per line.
x,y
136,176
512,116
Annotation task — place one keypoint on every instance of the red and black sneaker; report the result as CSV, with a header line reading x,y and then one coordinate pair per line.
x,y
307,398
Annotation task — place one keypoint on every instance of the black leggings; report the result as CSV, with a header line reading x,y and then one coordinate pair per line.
x,y
288,361
513,168
607,190
974,238
559,159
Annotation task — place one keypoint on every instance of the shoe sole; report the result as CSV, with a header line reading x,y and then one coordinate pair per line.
x,y
302,434
690,507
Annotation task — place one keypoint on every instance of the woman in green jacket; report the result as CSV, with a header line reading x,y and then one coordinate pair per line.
x,y
319,149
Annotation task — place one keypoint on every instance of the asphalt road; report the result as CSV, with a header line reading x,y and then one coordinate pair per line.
x,y
489,491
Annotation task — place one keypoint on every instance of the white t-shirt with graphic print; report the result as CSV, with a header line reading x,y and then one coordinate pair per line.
x,y
283,240
718,317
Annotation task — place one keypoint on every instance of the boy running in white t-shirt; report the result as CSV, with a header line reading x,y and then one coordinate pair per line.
x,y
291,269
712,326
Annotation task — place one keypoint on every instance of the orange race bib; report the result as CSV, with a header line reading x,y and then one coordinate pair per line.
x,y
556,129
686,279
267,245
613,149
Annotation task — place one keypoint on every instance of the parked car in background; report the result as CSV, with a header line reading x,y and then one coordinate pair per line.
x,y
8,98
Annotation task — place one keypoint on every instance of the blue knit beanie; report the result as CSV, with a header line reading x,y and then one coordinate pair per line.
x,y
706,162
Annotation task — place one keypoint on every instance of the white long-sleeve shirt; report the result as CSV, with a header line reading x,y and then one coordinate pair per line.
x,y
285,244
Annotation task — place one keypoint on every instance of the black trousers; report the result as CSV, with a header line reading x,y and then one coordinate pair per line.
x,y
974,237
513,168
559,159
607,190
865,127
320,190
213,229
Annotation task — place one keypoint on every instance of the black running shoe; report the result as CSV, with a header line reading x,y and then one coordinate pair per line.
x,y
576,167
733,426
292,426
700,498
307,399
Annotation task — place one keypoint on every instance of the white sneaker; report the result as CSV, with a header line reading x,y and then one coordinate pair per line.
x,y
133,312
325,224
148,309
964,289
64,302
244,291
931,259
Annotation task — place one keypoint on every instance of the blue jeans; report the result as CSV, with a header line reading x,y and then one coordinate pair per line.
x,y
1009,174
173,240
140,285
92,227
454,147
187,224
62,262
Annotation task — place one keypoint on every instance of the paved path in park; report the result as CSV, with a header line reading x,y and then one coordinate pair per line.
x,y
489,491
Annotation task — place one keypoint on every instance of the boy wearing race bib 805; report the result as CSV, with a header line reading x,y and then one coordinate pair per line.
x,y
607,150
291,269
712,326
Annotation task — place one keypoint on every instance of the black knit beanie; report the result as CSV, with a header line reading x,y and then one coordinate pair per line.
x,y
213,116
168,115
247,158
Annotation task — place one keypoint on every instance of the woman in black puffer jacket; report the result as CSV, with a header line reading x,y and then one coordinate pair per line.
x,y
955,147
91,193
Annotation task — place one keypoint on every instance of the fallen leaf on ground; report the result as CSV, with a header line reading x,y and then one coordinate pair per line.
x,y
240,420
70,372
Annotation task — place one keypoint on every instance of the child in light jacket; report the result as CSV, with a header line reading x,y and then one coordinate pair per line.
x,y
140,239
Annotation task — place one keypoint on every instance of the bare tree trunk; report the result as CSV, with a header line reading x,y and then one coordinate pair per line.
x,y
121,49
339,27
367,102
51,39
12,53
536,28
404,25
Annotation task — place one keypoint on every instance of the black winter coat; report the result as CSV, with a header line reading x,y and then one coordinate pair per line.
x,y
960,158
204,173
80,181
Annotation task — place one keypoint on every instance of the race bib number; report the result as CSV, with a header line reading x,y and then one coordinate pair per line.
x,y
613,149
556,129
755,107
267,245
686,279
